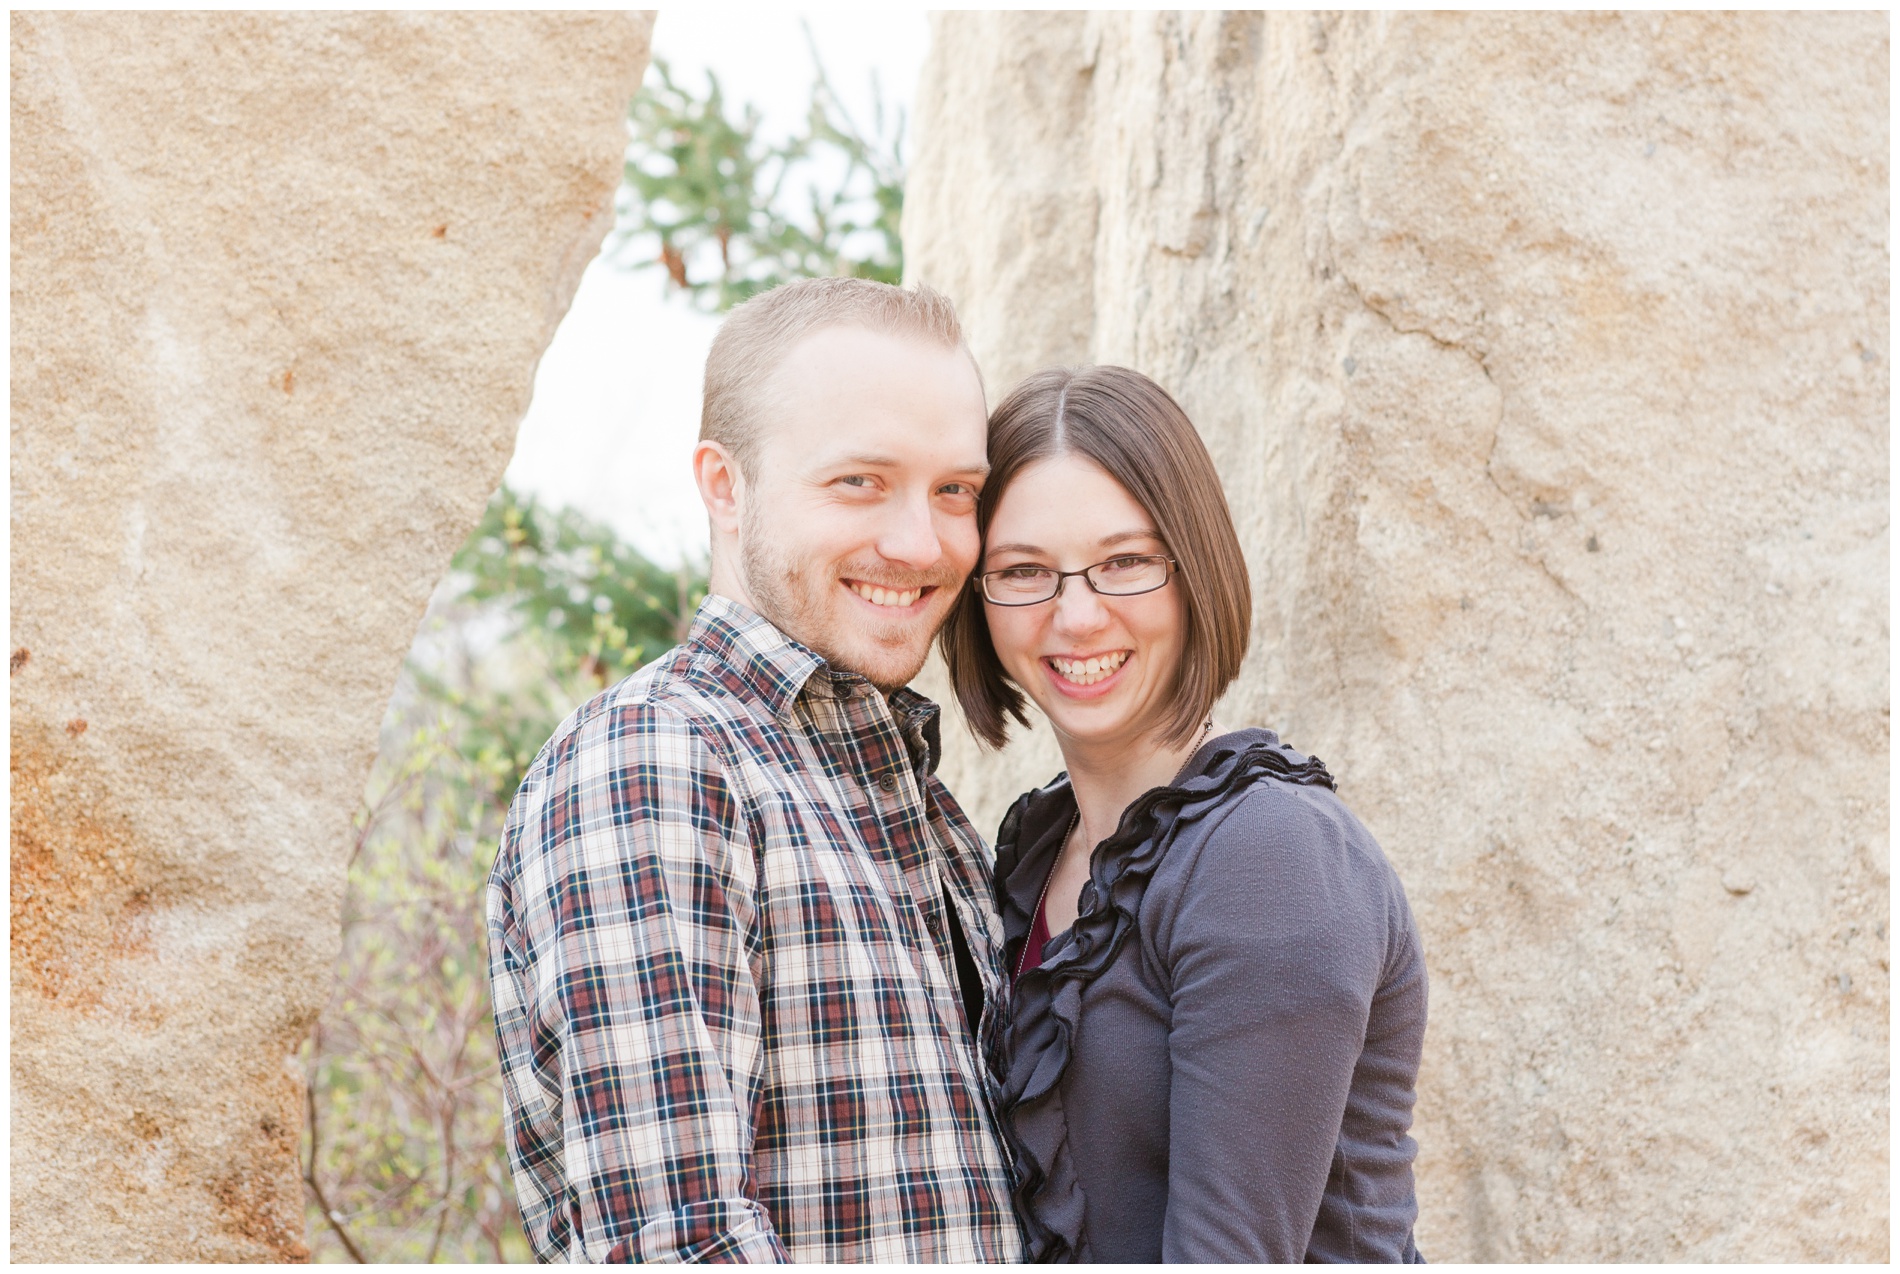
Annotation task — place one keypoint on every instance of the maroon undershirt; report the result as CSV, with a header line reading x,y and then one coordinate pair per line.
x,y
1038,935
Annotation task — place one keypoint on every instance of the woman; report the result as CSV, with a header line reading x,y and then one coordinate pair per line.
x,y
1213,1057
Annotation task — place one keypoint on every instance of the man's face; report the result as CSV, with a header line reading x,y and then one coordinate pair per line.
x,y
858,525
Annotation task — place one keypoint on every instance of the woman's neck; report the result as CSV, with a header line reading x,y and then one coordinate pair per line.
x,y
1106,780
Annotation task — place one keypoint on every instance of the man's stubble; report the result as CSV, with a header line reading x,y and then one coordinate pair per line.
x,y
794,595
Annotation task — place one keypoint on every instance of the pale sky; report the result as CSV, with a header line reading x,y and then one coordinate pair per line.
x,y
616,400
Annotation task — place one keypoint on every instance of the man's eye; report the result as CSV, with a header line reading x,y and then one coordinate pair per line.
x,y
856,480
957,489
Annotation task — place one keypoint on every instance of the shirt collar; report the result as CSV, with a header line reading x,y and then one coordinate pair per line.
x,y
773,669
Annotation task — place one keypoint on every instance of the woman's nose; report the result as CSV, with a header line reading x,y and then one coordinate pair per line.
x,y
1078,608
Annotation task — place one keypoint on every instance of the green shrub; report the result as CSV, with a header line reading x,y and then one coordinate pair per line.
x,y
404,1153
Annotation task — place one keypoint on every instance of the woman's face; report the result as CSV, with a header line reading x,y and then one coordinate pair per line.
x,y
1100,668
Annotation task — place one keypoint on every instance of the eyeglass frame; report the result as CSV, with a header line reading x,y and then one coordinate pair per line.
x,y
1173,568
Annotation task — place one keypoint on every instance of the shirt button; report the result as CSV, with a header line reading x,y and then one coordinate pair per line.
x,y
888,780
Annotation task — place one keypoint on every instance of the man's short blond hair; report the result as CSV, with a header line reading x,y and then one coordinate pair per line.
x,y
760,332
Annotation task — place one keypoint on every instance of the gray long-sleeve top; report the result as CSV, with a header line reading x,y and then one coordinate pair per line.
x,y
1217,1061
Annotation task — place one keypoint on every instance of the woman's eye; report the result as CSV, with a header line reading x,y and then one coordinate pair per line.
x,y
1124,563
1017,574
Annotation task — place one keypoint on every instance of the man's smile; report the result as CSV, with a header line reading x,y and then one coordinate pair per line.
x,y
890,598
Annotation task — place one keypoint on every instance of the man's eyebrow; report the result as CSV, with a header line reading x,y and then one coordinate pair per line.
x,y
871,460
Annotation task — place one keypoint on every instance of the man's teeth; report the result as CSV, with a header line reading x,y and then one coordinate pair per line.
x,y
1086,672
899,598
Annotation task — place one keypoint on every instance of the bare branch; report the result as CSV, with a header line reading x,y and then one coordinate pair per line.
x,y
310,1164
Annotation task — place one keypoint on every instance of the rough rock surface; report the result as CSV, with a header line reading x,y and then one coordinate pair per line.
x,y
1545,358
279,286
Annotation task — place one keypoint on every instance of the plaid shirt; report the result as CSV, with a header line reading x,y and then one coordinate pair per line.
x,y
725,991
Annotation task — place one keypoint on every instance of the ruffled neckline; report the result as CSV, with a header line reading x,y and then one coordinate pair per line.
x,y
1048,998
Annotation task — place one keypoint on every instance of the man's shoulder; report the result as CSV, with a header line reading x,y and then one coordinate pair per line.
x,y
652,739
679,694
678,723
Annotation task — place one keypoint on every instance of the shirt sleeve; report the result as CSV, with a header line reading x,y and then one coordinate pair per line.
x,y
625,1004
1276,954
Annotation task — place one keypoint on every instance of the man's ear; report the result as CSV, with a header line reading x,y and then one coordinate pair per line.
x,y
721,485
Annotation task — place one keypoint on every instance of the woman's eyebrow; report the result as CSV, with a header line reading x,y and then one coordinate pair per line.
x,y
1107,540
1120,536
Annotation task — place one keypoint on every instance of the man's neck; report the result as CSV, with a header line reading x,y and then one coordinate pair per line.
x,y
725,580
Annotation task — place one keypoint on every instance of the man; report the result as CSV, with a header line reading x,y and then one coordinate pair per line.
x,y
740,936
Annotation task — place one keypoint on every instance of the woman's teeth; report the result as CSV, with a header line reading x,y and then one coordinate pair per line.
x,y
1086,672
886,596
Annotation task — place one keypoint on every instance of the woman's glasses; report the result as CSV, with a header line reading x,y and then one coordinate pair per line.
x,y
1117,577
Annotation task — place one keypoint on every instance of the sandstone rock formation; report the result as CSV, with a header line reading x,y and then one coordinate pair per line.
x,y
1546,361
279,287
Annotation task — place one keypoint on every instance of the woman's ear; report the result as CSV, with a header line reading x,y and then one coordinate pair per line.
x,y
721,485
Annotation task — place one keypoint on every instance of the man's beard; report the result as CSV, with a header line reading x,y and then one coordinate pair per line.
x,y
803,600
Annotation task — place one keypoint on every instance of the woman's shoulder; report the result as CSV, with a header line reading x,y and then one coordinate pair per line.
x,y
1282,834
1295,823
1283,803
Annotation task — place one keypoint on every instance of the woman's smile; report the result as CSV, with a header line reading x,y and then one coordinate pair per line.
x,y
1087,676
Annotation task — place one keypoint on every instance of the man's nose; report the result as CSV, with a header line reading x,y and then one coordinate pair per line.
x,y
910,537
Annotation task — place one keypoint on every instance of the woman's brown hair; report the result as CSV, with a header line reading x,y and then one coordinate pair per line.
x,y
1139,435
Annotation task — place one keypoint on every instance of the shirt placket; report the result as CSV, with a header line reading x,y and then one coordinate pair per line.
x,y
983,942
979,1060
855,728
898,824
913,829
